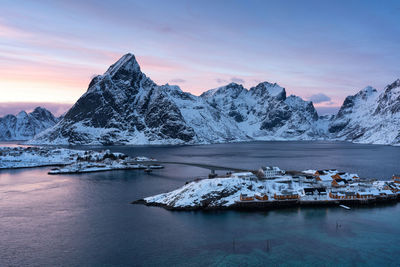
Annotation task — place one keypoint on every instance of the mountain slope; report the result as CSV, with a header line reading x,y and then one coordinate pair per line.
x,y
24,126
123,106
369,117
264,112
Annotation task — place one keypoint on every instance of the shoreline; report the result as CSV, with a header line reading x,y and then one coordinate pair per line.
x,y
274,205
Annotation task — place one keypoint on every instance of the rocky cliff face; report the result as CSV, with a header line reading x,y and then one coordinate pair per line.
x,y
124,106
369,117
24,126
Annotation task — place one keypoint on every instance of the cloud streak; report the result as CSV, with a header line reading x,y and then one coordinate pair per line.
x,y
319,98
50,49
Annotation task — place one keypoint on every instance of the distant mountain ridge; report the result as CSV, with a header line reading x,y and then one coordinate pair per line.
x,y
369,116
25,126
124,106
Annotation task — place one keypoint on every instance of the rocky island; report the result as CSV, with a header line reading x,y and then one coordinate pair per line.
x,y
271,187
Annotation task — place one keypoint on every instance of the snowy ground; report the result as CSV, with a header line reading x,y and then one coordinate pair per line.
x,y
69,160
23,157
225,192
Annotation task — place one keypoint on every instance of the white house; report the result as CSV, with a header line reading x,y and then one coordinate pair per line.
x,y
270,172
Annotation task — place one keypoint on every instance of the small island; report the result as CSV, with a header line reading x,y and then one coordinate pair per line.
x,y
70,161
271,187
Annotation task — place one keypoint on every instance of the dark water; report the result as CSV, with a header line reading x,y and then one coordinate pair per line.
x,y
86,220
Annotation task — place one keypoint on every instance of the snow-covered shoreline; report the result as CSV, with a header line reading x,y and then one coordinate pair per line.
x,y
247,191
70,160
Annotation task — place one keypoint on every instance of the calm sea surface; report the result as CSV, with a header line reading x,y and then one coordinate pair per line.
x,y
86,220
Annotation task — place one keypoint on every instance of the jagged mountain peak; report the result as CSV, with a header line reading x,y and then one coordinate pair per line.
x,y
127,63
121,76
369,90
393,85
232,89
22,114
41,111
366,93
269,89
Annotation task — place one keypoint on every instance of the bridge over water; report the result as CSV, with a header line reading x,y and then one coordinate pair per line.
x,y
210,167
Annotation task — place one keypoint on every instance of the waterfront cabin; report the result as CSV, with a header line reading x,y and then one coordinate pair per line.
x,y
286,195
365,195
345,195
320,191
387,194
350,195
245,197
336,195
262,197
339,183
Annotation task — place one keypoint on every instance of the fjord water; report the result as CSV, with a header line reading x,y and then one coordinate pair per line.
x,y
86,219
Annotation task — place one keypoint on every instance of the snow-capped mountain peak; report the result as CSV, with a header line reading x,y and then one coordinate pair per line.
x,y
124,106
127,64
22,114
24,126
269,89
231,89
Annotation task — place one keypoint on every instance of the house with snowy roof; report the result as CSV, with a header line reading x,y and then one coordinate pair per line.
x,y
270,172
339,183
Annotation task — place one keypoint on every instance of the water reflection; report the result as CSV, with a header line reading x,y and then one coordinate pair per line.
x,y
87,219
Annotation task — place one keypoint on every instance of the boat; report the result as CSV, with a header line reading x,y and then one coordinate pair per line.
x,y
345,207
156,166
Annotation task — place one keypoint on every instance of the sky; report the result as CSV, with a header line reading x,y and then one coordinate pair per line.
x,y
319,50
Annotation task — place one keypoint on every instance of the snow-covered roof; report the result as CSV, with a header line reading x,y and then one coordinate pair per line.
x,y
242,174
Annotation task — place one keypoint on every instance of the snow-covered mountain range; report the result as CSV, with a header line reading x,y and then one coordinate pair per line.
x,y
369,116
24,125
124,106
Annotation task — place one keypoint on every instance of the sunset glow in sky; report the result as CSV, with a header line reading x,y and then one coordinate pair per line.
x,y
319,50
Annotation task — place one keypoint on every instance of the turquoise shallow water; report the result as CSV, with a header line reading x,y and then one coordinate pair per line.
x,y
86,220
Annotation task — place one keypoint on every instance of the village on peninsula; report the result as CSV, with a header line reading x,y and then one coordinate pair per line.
x,y
271,187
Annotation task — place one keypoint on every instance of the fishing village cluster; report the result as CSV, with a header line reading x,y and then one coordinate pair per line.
x,y
320,186
272,187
